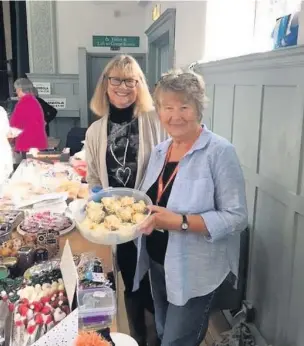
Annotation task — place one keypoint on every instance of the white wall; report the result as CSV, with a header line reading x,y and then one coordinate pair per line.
x,y
78,21
301,25
7,29
189,28
190,32
229,28
205,30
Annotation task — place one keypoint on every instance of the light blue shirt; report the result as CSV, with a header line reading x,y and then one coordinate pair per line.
x,y
209,183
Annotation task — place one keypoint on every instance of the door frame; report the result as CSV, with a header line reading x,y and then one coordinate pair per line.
x,y
163,26
84,61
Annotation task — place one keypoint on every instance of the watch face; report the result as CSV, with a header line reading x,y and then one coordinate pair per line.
x,y
184,226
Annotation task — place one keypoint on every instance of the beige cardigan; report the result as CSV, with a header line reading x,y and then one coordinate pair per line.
x,y
151,133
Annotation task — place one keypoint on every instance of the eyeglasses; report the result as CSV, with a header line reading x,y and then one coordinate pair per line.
x,y
129,82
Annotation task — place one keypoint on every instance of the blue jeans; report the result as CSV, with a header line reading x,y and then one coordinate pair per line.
x,y
178,325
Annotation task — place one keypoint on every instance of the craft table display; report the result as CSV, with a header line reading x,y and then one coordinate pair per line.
x,y
35,180
39,301
32,190
58,326
41,192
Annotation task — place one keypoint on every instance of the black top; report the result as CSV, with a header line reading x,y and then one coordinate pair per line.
x,y
49,113
122,148
157,242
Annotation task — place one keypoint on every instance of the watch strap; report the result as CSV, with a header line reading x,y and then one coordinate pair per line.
x,y
185,224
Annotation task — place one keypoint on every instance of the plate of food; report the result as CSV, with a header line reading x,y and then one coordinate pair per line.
x,y
114,219
45,222
9,220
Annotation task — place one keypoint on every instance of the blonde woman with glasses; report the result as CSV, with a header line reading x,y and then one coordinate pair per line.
x,y
118,148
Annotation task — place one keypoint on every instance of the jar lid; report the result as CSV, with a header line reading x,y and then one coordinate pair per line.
x,y
96,189
3,272
9,261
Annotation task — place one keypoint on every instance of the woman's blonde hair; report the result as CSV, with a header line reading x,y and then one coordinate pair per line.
x,y
126,67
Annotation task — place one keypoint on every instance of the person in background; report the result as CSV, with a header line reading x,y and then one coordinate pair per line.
x,y
118,147
192,238
49,111
5,148
28,117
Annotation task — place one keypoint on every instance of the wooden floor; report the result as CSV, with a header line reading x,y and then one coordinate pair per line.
x,y
217,325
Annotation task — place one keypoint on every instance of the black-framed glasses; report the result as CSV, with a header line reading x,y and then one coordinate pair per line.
x,y
129,82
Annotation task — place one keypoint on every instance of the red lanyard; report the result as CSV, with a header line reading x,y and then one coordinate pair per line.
x,y
161,188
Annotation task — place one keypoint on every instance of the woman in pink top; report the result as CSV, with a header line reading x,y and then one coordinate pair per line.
x,y
28,116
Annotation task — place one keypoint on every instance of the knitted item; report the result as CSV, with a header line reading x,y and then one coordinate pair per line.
x,y
105,334
90,339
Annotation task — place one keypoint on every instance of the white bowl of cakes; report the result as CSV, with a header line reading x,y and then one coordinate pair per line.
x,y
114,218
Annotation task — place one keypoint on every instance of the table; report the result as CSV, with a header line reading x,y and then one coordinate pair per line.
x,y
79,245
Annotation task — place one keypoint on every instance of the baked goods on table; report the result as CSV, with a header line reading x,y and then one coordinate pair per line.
x,y
45,222
71,187
9,220
84,191
74,189
114,213
24,190
114,219
11,247
6,203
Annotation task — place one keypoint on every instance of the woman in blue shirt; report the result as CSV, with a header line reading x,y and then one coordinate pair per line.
x,y
191,240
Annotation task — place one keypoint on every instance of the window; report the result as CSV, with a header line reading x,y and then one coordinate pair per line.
x,y
266,14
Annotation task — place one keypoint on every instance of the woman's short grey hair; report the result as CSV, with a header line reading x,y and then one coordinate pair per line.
x,y
188,84
25,85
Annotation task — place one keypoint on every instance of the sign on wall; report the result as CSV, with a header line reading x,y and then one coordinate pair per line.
x,y
116,41
58,103
43,88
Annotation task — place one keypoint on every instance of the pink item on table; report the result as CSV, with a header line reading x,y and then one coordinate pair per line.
x,y
31,327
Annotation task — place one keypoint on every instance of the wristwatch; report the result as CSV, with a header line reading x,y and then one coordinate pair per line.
x,y
185,224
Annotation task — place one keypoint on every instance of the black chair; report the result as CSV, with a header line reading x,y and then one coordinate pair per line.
x,y
227,297
74,138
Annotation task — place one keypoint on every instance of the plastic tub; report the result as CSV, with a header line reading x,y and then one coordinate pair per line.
x,y
77,211
96,308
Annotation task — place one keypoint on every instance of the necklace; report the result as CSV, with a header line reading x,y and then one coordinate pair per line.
x,y
123,173
125,154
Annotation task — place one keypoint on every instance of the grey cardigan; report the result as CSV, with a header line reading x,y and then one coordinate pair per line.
x,y
150,134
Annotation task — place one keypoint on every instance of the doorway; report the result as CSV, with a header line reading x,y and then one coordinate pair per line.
x,y
162,53
161,43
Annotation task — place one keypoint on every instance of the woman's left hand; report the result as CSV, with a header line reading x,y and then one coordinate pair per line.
x,y
161,218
